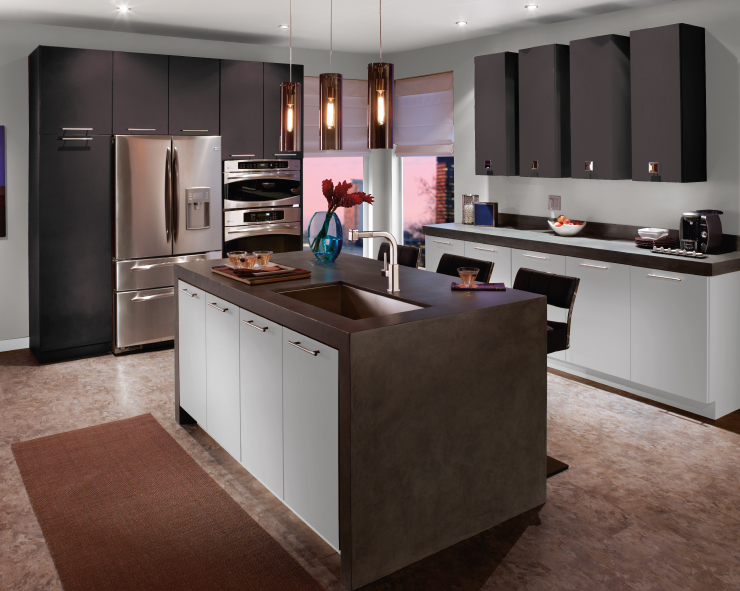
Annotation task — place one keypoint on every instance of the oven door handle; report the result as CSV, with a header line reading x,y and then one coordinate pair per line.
x,y
261,229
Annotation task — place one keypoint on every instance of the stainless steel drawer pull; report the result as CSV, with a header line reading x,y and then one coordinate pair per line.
x,y
77,128
654,276
153,266
203,130
76,139
442,242
297,345
531,256
486,249
251,324
157,296
186,292
242,155
286,154
213,305
141,129
594,266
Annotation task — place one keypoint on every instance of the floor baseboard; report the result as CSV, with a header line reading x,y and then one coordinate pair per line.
x,y
14,344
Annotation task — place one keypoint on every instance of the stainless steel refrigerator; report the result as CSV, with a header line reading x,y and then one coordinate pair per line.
x,y
167,211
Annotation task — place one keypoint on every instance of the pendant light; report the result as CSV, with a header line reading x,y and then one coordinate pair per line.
x,y
290,106
330,107
380,96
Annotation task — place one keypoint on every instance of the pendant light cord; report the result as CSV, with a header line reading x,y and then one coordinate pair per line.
x,y
380,12
290,25
331,36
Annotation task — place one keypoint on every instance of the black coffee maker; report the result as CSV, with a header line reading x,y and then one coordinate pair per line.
x,y
704,227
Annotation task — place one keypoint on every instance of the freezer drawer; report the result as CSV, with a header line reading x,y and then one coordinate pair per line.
x,y
142,317
151,273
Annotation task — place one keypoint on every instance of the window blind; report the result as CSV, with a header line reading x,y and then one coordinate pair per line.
x,y
354,119
425,110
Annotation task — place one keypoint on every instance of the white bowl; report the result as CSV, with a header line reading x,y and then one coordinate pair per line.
x,y
566,230
652,233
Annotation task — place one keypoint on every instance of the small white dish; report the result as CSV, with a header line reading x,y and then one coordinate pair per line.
x,y
652,233
566,230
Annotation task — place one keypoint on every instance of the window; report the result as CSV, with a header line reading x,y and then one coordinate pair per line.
x,y
315,170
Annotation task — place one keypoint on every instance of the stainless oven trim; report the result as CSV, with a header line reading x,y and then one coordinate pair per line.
x,y
236,232
233,164
234,218
290,175
287,201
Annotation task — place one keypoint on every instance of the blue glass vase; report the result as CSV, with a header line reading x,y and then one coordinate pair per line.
x,y
325,236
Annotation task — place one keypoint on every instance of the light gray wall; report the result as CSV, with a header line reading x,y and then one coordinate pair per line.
x,y
17,40
622,202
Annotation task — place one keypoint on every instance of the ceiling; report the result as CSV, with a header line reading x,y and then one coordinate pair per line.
x,y
407,24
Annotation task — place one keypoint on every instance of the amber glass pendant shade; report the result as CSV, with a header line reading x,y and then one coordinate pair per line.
x,y
330,110
380,96
290,117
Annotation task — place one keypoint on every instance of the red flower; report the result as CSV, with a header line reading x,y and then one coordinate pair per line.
x,y
339,196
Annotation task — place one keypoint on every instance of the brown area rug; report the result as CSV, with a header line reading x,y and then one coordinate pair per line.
x,y
124,507
555,466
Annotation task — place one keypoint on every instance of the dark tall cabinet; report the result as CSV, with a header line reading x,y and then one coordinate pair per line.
x,y
601,140
544,111
140,94
274,74
194,96
497,114
242,99
669,109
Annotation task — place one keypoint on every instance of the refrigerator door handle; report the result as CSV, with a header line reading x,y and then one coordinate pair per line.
x,y
167,195
175,194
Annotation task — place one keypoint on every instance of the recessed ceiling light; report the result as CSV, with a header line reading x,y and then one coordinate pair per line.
x,y
531,6
284,26
461,23
124,8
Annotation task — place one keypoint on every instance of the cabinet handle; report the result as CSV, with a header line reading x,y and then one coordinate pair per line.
x,y
442,242
140,129
157,296
77,128
654,276
486,249
76,139
594,266
204,130
213,305
242,155
251,324
186,292
531,256
297,345
286,154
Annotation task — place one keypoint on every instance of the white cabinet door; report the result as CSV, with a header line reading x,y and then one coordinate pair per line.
x,y
500,256
435,247
222,379
549,263
311,432
600,328
669,332
261,352
191,305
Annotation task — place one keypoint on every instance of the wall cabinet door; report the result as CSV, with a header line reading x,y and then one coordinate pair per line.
x,y
241,109
191,306
274,74
140,93
194,96
261,353
500,256
600,328
71,229
549,263
435,247
222,379
311,433
75,90
669,332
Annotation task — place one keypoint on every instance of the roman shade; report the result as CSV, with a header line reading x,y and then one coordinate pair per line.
x,y
354,119
425,108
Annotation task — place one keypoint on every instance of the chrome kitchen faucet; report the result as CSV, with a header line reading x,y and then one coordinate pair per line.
x,y
390,271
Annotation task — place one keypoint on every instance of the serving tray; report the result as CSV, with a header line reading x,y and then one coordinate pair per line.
x,y
261,277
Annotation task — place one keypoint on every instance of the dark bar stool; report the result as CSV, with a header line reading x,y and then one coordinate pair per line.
x,y
408,256
560,292
450,263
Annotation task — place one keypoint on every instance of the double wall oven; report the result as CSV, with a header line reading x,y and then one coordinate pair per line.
x,y
262,205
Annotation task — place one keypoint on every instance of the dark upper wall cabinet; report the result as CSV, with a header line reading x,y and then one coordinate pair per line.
x,y
497,114
275,74
140,93
241,109
601,142
669,110
75,90
194,96
544,111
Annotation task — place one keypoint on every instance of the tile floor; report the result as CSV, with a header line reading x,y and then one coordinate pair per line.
x,y
651,501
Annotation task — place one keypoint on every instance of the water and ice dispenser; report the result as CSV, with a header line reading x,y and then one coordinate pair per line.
x,y
199,208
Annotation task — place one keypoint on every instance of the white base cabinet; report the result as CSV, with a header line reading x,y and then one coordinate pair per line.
x,y
500,256
435,247
192,353
311,436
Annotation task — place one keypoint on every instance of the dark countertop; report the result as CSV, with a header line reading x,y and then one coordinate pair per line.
x,y
417,286
607,250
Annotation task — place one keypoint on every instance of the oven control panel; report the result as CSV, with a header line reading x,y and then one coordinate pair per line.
x,y
262,164
264,216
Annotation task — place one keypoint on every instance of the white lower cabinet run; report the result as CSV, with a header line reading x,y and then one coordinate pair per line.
x,y
311,437
435,247
222,374
500,256
261,378
191,304
600,327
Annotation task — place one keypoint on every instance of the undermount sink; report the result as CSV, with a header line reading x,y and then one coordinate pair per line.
x,y
350,302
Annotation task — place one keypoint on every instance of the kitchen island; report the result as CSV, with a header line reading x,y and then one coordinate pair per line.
x,y
394,426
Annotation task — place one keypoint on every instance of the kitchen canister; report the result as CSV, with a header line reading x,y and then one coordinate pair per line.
x,y
469,202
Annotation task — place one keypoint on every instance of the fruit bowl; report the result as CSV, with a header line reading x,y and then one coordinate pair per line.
x,y
652,233
567,230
